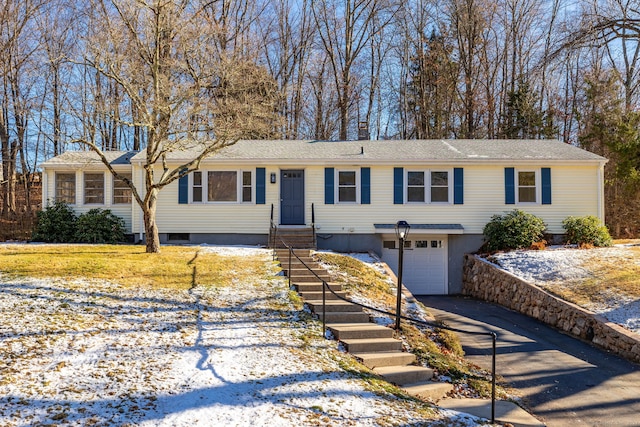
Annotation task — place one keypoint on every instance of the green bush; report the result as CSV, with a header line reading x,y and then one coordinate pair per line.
x,y
586,231
513,230
55,224
99,226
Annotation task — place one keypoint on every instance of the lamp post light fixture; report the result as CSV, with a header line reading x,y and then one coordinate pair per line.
x,y
402,231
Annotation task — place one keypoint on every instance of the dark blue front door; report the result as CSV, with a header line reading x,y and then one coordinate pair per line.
x,y
292,197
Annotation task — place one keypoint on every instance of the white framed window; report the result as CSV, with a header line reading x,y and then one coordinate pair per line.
x,y
66,187
121,191
527,186
222,186
416,188
247,186
348,186
94,188
440,187
428,186
196,187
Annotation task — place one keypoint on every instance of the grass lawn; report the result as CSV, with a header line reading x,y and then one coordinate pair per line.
x,y
610,272
178,267
182,267
145,347
620,274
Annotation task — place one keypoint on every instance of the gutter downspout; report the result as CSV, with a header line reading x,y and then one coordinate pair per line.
x,y
601,201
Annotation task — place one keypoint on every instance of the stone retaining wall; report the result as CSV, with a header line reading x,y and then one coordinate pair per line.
x,y
484,280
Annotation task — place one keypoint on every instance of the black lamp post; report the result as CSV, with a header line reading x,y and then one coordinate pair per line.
x,y
402,231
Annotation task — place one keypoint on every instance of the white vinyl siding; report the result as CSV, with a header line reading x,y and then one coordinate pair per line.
x,y
575,192
214,217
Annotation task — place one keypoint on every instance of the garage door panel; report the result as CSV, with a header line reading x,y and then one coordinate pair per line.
x,y
425,265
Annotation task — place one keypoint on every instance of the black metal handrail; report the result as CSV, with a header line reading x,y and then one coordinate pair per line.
x,y
326,286
273,231
313,224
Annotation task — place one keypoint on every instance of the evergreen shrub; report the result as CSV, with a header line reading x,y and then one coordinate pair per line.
x,y
99,226
55,224
586,231
513,230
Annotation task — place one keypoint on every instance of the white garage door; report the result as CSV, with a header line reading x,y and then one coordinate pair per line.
x,y
425,263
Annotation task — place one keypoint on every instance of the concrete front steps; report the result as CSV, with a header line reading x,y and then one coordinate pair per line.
x,y
376,348
296,237
374,345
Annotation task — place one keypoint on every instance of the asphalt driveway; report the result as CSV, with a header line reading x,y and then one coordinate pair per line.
x,y
564,381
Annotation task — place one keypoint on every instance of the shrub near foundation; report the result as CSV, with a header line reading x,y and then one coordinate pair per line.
x,y
514,230
99,226
55,224
586,231
58,224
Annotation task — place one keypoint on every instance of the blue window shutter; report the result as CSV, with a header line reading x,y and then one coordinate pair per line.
x,y
458,186
261,177
183,190
546,186
509,186
398,186
365,186
329,177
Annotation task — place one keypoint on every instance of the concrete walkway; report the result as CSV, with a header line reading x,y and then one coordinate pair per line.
x,y
563,381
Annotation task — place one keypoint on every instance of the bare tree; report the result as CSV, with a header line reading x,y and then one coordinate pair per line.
x,y
163,56
287,38
432,75
16,51
468,24
345,29
612,25
55,28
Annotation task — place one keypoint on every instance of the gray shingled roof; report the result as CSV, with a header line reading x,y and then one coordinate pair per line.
x,y
398,151
372,152
83,158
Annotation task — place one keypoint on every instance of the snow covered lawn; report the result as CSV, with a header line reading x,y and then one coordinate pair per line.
x,y
559,268
85,353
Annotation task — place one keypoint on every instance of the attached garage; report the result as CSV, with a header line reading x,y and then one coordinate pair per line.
x,y
426,256
425,262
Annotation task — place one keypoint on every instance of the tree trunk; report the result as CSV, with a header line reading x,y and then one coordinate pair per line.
x,y
150,227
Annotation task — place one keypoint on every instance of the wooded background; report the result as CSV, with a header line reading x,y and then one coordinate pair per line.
x,y
305,69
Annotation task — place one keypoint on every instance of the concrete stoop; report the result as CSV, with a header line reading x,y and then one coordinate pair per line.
x,y
297,237
374,345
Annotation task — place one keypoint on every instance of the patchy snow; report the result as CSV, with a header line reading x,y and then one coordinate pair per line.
x,y
556,265
88,352
235,250
367,258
